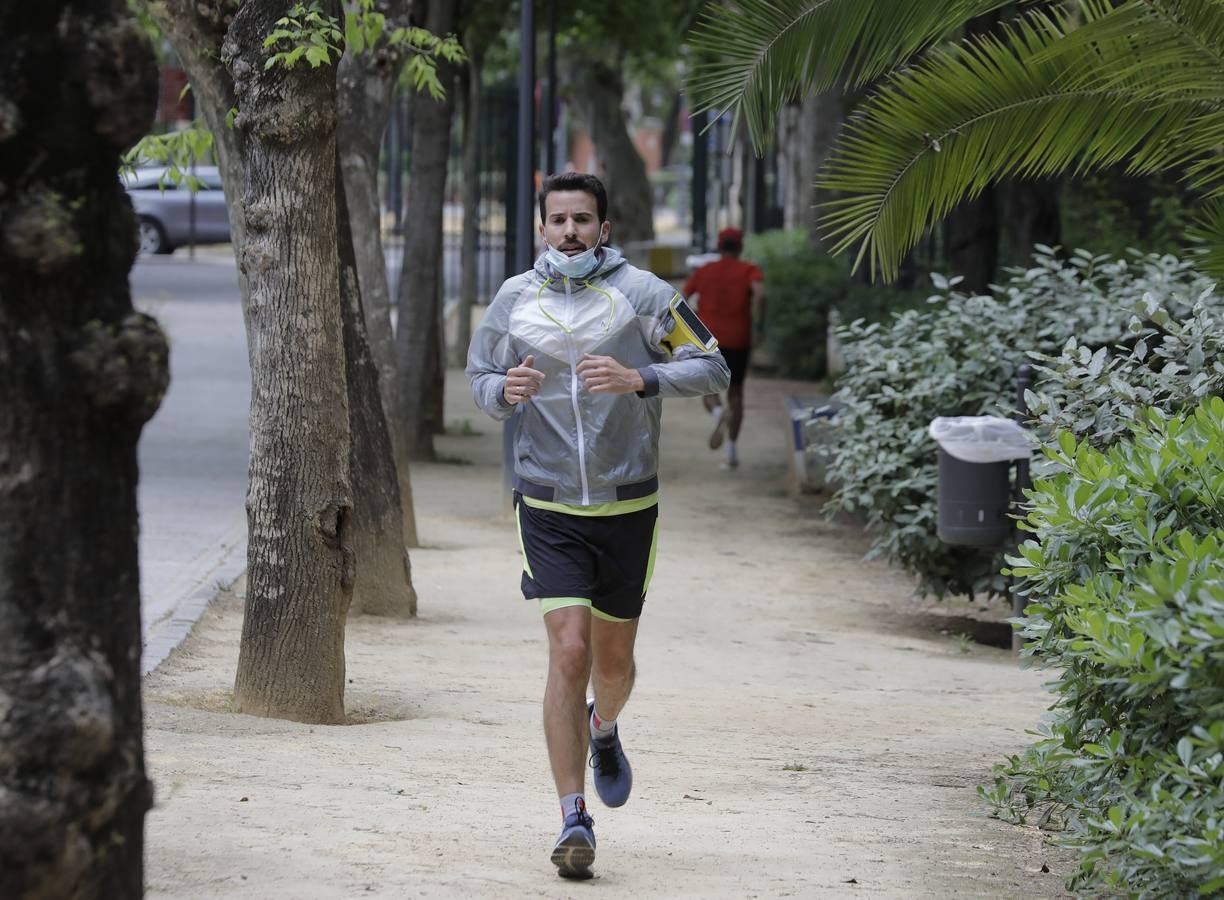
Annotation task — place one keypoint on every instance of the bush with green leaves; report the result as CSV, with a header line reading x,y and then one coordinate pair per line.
x,y
959,356
1125,575
802,285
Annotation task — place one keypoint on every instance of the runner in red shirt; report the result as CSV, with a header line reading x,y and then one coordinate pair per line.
x,y
729,295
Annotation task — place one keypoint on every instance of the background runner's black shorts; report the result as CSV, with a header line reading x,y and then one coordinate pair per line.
x,y
737,362
601,561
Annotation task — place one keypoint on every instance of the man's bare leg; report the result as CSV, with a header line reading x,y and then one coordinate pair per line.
x,y
565,712
612,666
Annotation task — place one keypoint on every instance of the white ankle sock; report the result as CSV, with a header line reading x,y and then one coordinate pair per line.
x,y
731,454
571,803
601,728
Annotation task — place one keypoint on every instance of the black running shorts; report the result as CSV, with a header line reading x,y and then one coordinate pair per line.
x,y
602,562
737,362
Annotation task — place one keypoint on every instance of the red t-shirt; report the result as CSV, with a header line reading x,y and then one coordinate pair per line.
x,y
725,299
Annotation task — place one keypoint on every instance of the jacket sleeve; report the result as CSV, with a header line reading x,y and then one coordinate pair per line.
x,y
490,356
690,372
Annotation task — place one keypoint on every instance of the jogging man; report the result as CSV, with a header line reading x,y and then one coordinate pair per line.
x,y
583,347
729,294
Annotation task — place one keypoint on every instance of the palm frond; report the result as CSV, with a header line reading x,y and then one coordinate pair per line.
x,y
1163,47
1207,234
990,108
756,55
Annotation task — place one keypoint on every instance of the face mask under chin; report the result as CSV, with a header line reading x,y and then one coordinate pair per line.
x,y
578,266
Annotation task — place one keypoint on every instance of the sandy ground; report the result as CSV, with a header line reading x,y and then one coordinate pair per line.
x,y
791,735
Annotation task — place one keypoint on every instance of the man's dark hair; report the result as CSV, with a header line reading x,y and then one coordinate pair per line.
x,y
576,181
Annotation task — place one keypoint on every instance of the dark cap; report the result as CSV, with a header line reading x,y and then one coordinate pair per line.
x,y
730,236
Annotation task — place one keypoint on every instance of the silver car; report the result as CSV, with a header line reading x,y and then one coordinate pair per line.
x,y
166,215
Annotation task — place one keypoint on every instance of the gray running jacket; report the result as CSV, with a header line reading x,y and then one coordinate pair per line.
x,y
573,446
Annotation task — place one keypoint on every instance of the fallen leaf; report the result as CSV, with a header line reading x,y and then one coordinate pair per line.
x,y
243,800
1045,868
691,797
850,881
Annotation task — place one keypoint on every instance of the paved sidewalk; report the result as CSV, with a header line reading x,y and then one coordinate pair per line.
x,y
193,453
791,735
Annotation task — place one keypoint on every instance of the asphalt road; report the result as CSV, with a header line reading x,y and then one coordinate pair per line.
x,y
193,453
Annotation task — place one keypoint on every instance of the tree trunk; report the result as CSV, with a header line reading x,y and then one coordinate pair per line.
x,y
820,121
418,336
971,230
366,87
630,199
80,374
470,80
299,502
383,580
971,241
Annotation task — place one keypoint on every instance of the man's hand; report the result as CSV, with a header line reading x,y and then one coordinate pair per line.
x,y
604,375
522,382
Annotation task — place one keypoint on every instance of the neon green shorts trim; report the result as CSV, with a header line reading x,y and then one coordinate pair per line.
x,y
548,604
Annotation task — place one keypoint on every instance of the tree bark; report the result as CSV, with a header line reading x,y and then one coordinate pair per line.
x,y
366,88
820,120
80,374
470,81
630,198
300,565
418,335
383,580
971,230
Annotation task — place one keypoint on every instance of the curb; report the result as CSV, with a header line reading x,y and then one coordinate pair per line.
x,y
160,638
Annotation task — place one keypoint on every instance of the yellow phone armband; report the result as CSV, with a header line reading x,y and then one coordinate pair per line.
x,y
683,327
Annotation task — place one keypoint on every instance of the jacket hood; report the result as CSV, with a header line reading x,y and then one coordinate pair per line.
x,y
610,259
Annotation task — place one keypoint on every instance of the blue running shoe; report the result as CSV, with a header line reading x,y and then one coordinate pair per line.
x,y
574,852
613,777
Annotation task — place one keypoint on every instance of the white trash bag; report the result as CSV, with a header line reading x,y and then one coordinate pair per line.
x,y
982,439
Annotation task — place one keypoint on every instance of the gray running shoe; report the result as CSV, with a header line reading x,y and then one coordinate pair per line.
x,y
574,852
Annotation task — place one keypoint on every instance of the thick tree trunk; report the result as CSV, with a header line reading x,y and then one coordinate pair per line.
x,y
383,580
470,81
80,374
630,199
366,87
299,502
418,335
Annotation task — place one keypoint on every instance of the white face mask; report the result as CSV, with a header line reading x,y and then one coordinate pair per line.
x,y
578,266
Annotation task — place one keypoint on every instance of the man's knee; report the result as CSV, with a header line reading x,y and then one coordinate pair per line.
x,y
571,655
614,668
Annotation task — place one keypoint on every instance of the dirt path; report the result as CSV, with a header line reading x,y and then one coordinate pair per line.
x,y
788,738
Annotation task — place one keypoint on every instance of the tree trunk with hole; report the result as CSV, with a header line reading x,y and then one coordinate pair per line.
x,y
366,89
382,584
630,199
300,563
80,374
418,336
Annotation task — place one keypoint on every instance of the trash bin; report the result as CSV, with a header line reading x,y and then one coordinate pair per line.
x,y
975,493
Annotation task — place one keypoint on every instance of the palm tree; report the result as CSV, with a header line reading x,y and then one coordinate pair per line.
x,y
1086,85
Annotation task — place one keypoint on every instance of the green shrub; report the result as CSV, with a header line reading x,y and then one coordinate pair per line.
x,y
801,286
1126,578
960,356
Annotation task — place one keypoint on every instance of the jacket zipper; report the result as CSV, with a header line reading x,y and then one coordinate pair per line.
x,y
573,351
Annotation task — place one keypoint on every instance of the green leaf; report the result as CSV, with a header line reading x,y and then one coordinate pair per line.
x,y
755,55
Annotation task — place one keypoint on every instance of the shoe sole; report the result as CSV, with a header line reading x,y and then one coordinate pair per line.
x,y
574,859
